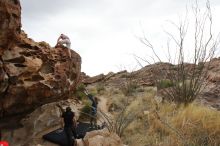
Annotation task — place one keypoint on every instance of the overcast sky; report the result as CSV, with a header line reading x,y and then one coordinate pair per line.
x,y
104,32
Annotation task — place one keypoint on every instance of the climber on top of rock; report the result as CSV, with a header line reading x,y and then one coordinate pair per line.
x,y
64,40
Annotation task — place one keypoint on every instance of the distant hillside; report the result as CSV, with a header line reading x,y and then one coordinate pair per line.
x,y
146,77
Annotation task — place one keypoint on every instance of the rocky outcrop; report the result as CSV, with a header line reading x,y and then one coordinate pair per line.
x,y
10,22
47,118
41,121
211,94
31,73
100,138
89,80
111,78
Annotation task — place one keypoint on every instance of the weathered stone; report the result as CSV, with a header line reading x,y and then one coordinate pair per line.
x,y
102,138
10,23
31,73
3,80
41,121
94,79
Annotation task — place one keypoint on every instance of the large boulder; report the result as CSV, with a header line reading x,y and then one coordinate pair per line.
x,y
31,73
43,120
100,138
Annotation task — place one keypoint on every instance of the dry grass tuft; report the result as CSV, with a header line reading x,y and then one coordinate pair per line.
x,y
200,125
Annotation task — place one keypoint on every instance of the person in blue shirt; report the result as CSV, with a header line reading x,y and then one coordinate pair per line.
x,y
93,113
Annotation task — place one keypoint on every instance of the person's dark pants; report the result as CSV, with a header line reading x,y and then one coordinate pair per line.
x,y
69,134
93,119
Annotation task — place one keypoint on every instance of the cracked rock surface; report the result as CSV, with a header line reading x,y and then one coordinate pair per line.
x,y
31,73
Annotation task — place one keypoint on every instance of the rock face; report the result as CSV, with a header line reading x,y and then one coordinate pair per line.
x,y
10,22
41,121
211,94
31,74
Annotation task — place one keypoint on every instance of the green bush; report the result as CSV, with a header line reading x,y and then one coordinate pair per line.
x,y
100,88
85,111
140,90
81,87
129,88
80,95
165,83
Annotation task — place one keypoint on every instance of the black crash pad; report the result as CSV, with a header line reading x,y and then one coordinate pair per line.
x,y
59,137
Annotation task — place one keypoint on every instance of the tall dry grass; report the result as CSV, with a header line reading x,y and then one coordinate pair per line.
x,y
165,124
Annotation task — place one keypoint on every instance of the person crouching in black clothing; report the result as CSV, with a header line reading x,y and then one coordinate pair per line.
x,y
69,125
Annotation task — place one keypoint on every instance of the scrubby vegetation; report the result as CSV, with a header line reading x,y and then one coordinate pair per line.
x,y
85,111
166,124
129,86
165,83
79,92
187,78
100,88
144,120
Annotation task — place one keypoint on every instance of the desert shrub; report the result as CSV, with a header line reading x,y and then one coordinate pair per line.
x,y
124,76
117,103
165,83
100,88
116,92
184,66
129,88
85,111
81,87
80,95
93,90
140,90
122,119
